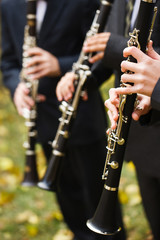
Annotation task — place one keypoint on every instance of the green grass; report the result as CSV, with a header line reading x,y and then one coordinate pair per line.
x,y
33,214
24,212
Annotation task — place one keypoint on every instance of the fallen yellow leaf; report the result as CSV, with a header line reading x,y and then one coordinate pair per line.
x,y
32,230
6,164
63,234
3,131
130,166
132,188
27,216
57,215
123,197
134,200
6,197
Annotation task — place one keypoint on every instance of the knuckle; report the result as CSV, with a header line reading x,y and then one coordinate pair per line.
x,y
139,87
111,90
132,49
143,70
106,103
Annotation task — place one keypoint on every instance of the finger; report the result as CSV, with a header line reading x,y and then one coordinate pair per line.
x,y
28,101
98,38
34,61
140,111
70,81
114,97
58,92
22,105
151,52
70,75
67,94
20,111
112,121
135,52
65,87
131,66
67,82
34,51
130,78
126,90
107,131
96,57
136,115
22,89
96,42
92,48
69,78
36,68
39,75
112,109
84,95
63,92
40,98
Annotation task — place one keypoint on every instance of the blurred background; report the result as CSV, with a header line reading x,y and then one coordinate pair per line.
x,y
34,214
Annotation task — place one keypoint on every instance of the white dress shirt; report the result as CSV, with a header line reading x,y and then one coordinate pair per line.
x,y
135,12
41,10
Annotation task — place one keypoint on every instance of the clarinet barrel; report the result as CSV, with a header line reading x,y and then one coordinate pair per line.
x,y
105,220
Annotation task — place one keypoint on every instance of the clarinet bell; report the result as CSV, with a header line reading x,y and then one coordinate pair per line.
x,y
30,173
50,181
48,186
104,221
103,230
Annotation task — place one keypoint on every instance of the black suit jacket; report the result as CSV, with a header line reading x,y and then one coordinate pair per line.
x,y
62,33
155,98
143,141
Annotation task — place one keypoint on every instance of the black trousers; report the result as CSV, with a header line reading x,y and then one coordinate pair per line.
x,y
150,192
80,189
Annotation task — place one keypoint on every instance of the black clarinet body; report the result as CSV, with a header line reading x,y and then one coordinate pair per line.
x,y
82,70
30,172
105,220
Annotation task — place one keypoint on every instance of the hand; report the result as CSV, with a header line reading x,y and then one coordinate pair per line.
x,y
96,43
65,87
146,71
41,64
112,104
143,107
22,100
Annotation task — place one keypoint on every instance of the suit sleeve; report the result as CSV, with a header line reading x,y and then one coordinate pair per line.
x,y
113,55
84,23
66,62
9,64
153,117
99,75
155,98
111,61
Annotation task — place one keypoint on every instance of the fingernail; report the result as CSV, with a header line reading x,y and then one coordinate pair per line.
x,y
91,60
25,54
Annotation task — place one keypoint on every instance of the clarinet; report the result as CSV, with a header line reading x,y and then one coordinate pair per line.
x,y
30,172
82,70
105,220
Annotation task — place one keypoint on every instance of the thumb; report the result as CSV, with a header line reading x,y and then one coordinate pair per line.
x,y
40,98
136,114
151,52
